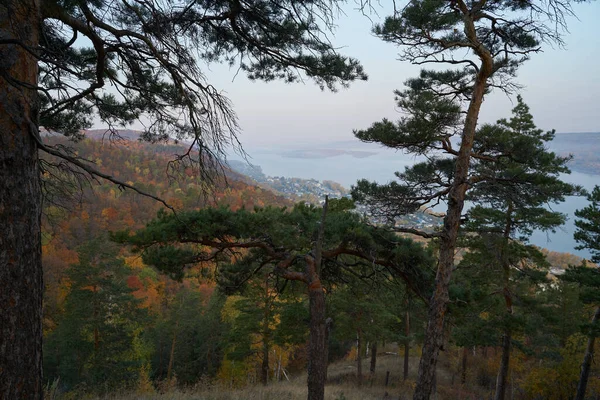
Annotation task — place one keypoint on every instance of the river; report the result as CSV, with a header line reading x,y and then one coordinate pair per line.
x,y
379,165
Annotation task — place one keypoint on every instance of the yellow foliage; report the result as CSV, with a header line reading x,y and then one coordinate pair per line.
x,y
135,262
235,373
144,384
559,380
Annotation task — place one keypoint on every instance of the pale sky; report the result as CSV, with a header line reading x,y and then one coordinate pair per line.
x,y
561,87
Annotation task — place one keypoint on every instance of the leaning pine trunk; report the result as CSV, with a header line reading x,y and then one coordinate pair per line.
x,y
20,206
434,333
587,360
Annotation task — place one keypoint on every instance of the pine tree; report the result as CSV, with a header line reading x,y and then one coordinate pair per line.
x,y
588,237
94,343
519,178
482,43
58,59
305,244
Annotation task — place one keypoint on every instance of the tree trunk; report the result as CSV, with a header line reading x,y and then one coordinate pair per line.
x,y
328,328
406,343
318,329
463,373
587,360
20,208
317,364
264,369
373,358
359,346
172,353
434,334
506,337
504,363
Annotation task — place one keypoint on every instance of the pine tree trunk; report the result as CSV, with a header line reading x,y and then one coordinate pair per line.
x,y
318,329
20,208
506,337
587,361
264,370
463,373
504,363
359,346
434,333
317,364
328,328
373,358
172,353
406,343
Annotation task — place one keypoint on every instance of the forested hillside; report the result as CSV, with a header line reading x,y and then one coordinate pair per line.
x,y
137,265
84,273
153,322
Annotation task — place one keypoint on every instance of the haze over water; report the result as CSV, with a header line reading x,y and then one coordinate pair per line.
x,y
337,161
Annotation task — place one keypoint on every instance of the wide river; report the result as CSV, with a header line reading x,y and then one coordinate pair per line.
x,y
380,164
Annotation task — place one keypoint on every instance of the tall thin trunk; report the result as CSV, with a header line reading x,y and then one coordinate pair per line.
x,y
359,348
172,353
328,328
20,206
504,363
587,360
96,331
373,358
318,332
406,343
317,364
434,334
463,372
506,337
264,369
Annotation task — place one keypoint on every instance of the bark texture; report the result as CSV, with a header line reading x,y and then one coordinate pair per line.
x,y
317,363
20,207
373,365
587,361
359,349
504,363
463,372
406,343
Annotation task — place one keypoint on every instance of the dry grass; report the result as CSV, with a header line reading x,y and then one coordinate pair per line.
x,y
342,385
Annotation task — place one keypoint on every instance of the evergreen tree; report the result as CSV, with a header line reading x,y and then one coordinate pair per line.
x,y
482,43
189,337
58,58
518,179
99,342
305,244
588,235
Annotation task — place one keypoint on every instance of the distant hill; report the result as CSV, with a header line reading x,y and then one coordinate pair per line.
x,y
104,134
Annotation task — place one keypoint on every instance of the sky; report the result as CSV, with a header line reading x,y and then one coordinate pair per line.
x,y
561,86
